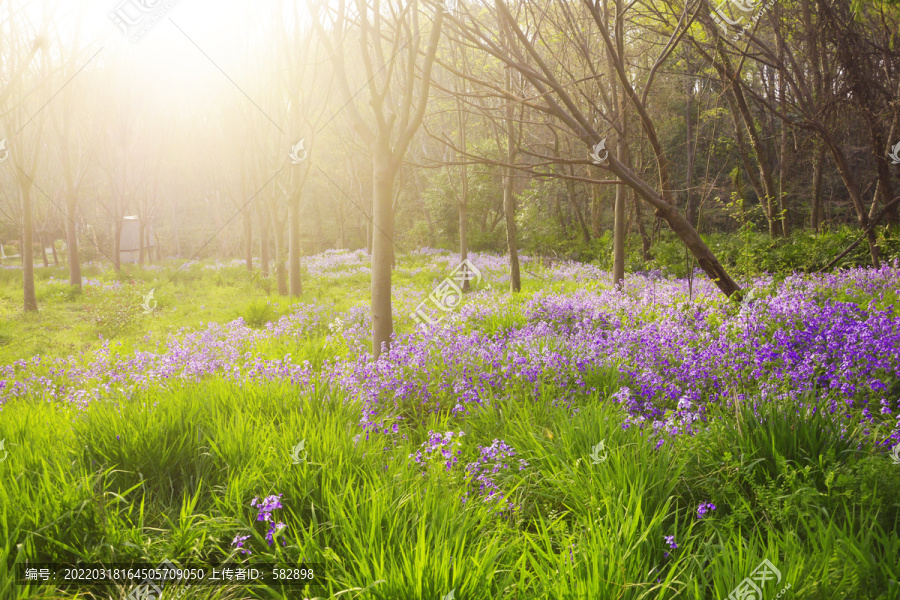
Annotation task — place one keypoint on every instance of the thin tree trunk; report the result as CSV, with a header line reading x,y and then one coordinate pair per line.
x,y
30,299
431,237
850,183
280,258
72,243
596,209
294,245
619,226
817,199
573,202
645,237
263,218
141,241
248,239
53,250
342,236
509,209
43,243
117,240
690,210
783,142
464,237
762,154
620,107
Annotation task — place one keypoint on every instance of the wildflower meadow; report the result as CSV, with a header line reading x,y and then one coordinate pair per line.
x,y
572,441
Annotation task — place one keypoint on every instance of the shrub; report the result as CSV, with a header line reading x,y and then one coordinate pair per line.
x,y
258,313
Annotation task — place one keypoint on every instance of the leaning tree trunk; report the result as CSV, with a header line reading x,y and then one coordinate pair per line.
x,y
679,224
383,173
850,183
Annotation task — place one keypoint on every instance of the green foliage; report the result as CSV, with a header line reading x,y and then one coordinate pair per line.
x,y
260,282
750,252
258,312
114,309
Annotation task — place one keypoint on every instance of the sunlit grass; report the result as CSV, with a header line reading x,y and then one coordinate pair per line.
x,y
170,471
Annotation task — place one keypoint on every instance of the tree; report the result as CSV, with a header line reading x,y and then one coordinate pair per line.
x,y
535,57
396,113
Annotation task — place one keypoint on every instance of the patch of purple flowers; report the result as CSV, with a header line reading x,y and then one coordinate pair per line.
x,y
264,513
439,447
670,540
490,463
705,508
238,542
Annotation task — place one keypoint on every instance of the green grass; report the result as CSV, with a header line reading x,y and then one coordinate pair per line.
x,y
170,472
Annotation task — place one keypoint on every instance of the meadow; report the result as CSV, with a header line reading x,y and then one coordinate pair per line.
x,y
571,441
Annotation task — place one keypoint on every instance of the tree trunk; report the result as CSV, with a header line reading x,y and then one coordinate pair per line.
x,y
72,244
687,234
431,237
850,183
816,218
783,142
885,184
690,210
53,250
762,154
248,239
621,112
463,204
463,237
383,174
30,299
263,218
596,209
141,241
43,244
280,258
117,241
573,202
342,236
645,237
618,273
509,212
294,245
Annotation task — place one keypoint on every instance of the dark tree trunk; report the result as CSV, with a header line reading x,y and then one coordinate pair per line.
x,y
816,217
